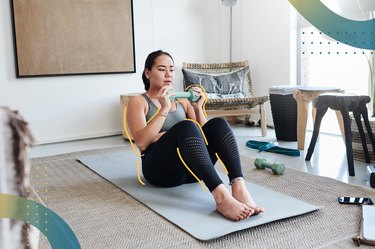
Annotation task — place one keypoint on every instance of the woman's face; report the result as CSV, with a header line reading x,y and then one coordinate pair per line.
x,y
162,72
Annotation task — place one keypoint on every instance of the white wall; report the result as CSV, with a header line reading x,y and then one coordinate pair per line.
x,y
262,35
74,107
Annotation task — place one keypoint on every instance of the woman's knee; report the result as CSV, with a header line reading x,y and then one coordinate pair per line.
x,y
187,127
217,123
218,120
187,123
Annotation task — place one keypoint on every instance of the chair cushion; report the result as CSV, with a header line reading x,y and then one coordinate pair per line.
x,y
234,84
224,96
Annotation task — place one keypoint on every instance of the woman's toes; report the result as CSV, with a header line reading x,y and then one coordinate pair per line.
x,y
258,210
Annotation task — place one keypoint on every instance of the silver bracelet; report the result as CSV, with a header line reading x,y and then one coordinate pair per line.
x,y
236,180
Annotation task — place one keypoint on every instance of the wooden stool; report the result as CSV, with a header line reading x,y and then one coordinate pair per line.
x,y
344,103
303,96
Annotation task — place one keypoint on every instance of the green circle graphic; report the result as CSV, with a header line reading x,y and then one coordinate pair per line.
x,y
57,231
359,34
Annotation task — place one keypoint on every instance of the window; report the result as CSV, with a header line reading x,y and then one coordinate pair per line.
x,y
323,61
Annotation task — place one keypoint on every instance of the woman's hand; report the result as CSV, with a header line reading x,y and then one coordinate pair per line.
x,y
198,105
163,98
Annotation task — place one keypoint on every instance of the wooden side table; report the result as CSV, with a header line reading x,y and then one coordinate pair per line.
x,y
304,95
124,99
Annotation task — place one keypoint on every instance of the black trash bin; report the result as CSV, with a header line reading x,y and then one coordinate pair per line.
x,y
284,112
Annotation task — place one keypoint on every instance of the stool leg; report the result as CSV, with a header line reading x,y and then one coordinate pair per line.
x,y
357,117
341,124
348,136
302,110
320,111
368,127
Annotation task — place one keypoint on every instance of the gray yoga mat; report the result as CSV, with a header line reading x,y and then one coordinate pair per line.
x,y
189,206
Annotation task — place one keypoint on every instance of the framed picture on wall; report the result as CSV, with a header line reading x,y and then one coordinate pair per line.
x,y
69,37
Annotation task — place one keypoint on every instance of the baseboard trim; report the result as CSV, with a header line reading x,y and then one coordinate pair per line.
x,y
79,137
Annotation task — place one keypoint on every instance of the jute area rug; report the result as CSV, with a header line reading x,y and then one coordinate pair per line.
x,y
104,217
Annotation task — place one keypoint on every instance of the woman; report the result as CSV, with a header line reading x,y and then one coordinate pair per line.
x,y
166,133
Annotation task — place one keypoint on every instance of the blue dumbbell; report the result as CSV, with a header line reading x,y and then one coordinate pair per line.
x,y
191,95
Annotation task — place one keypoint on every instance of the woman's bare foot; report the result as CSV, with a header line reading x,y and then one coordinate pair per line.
x,y
228,206
241,194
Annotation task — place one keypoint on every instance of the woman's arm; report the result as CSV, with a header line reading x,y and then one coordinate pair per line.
x,y
199,115
143,134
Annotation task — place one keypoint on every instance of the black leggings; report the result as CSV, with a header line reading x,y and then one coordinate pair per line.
x,y
161,164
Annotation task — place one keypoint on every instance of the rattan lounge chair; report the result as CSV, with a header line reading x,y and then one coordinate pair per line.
x,y
231,106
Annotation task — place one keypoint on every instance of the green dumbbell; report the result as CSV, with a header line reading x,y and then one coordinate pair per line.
x,y
191,95
277,168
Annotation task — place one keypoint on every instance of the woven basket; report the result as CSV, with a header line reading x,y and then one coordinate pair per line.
x,y
284,114
358,153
